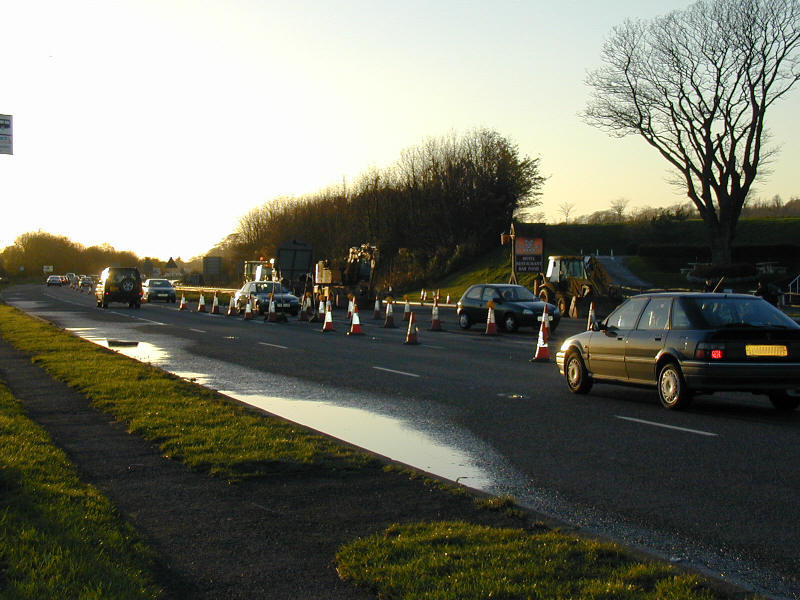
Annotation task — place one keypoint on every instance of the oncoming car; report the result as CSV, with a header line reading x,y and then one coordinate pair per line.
x,y
687,343
258,292
514,306
158,289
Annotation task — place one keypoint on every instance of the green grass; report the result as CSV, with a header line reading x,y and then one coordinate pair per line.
x,y
60,538
462,561
203,429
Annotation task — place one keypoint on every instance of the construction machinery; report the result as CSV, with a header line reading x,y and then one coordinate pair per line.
x,y
355,275
259,270
579,277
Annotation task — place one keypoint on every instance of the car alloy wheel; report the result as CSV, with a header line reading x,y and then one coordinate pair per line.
x,y
578,379
463,321
672,390
509,322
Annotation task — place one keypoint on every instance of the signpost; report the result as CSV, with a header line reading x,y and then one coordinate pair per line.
x,y
527,252
6,134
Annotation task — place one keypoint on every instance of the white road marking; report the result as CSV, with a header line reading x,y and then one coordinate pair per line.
x,y
684,429
396,372
274,345
198,330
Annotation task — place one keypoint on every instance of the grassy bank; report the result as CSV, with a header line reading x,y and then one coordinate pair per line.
x,y
60,538
215,435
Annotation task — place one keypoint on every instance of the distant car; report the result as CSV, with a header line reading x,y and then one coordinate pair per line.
x,y
54,280
86,283
687,343
258,293
119,284
514,306
158,289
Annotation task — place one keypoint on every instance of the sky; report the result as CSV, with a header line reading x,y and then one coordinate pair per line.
x,y
154,125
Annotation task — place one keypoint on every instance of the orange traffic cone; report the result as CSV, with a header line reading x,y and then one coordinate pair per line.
x,y
407,311
201,306
215,305
248,311
318,314
448,299
272,316
542,351
350,303
591,317
423,295
355,325
436,324
389,322
491,324
232,310
182,305
377,314
328,324
305,308
412,336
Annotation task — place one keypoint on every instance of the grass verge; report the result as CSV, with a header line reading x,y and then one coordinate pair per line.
x,y
60,538
203,429
462,561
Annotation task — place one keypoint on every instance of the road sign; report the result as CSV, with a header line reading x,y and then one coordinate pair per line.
x,y
6,134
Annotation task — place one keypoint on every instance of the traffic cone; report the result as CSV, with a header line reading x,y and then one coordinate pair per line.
x,y
573,308
248,311
592,317
389,322
201,306
355,325
436,324
377,314
491,324
542,351
232,310
215,305
448,299
318,314
182,305
272,316
328,324
412,336
350,303
305,308
422,296
407,311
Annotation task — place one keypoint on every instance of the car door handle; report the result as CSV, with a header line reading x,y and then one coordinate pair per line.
x,y
657,338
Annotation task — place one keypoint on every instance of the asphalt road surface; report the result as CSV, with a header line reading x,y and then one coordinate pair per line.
x,y
714,487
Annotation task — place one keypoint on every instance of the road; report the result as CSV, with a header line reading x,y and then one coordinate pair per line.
x,y
714,487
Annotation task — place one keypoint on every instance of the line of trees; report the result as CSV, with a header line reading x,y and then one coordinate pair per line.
x,y
441,203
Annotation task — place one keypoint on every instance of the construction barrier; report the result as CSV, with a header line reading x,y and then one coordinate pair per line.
x,y
542,350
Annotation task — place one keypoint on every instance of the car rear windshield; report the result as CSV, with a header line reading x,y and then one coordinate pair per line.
x,y
117,275
712,313
160,283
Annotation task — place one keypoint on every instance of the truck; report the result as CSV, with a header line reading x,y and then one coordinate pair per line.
x,y
581,277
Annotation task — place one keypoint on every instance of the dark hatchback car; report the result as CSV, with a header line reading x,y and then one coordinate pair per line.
x,y
158,289
119,284
687,343
258,292
514,306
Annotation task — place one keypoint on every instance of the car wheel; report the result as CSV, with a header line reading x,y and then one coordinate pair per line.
x,y
784,401
510,322
578,379
672,390
464,320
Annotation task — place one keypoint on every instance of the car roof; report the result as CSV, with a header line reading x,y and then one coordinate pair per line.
x,y
667,294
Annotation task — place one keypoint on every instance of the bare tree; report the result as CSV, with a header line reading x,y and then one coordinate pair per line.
x,y
566,208
618,207
696,85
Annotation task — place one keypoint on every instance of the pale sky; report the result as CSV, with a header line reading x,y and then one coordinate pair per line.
x,y
154,125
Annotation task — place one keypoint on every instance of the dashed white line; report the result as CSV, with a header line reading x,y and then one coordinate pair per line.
x,y
396,372
198,330
665,426
274,345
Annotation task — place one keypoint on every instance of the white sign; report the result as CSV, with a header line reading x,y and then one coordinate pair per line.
x,y
6,134
47,268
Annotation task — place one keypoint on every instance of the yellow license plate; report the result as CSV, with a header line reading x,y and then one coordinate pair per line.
x,y
764,350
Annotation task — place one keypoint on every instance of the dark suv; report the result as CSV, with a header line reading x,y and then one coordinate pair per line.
x,y
119,284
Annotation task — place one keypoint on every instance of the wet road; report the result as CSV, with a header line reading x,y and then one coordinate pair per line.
x,y
714,487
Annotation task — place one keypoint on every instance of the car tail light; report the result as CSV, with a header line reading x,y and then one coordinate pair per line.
x,y
706,351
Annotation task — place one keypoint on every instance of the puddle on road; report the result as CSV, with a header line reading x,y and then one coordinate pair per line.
x,y
350,416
